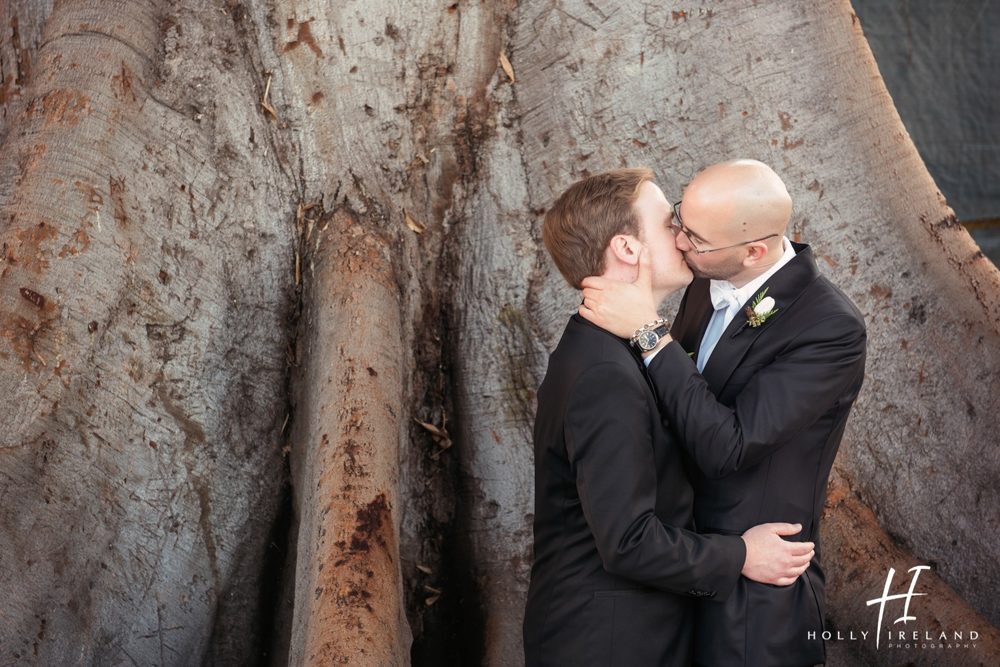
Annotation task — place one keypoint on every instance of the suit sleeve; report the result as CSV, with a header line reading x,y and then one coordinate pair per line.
x,y
610,448
805,380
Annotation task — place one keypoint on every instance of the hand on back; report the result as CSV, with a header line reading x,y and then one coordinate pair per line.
x,y
773,560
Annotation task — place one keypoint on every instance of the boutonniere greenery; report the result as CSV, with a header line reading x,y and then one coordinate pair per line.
x,y
761,308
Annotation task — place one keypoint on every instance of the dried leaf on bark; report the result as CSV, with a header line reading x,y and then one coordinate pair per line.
x,y
505,64
413,223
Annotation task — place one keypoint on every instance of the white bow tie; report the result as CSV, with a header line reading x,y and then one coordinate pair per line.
x,y
723,295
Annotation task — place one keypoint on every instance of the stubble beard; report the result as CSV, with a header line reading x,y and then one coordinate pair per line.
x,y
722,272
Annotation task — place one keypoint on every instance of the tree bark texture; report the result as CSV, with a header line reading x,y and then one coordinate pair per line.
x,y
274,306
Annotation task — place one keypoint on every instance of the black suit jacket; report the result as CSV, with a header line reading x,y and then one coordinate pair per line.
x,y
763,424
616,566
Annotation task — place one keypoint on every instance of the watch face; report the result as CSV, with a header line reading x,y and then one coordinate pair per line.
x,y
648,340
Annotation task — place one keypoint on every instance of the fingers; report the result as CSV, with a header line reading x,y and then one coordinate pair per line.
x,y
802,561
591,303
800,548
796,572
777,561
790,575
799,553
785,528
645,278
594,282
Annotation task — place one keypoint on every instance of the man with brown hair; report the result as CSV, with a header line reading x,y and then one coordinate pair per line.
x,y
616,562
757,377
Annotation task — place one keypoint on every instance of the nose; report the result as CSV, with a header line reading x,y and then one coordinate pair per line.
x,y
682,242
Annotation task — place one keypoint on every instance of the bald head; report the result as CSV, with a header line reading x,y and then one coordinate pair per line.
x,y
736,201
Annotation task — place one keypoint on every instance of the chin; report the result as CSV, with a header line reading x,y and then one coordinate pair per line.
x,y
682,280
698,273
687,275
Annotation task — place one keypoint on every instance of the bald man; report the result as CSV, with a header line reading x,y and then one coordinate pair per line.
x,y
757,377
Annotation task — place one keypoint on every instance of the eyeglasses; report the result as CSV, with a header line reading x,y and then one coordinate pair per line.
x,y
678,228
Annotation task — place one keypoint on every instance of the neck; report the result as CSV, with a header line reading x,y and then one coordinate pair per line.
x,y
620,272
746,276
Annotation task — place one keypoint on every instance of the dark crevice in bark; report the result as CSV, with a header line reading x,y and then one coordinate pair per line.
x,y
451,630
461,558
276,594
274,611
277,577
454,633
433,471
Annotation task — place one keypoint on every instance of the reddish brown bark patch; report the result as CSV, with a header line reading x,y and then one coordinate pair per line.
x,y
116,186
122,85
304,36
11,85
29,252
32,296
369,524
93,202
60,107
23,336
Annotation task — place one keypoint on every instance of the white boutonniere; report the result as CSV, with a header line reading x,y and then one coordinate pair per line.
x,y
761,308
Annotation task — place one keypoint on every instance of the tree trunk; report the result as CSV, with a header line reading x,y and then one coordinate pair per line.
x,y
274,305
146,287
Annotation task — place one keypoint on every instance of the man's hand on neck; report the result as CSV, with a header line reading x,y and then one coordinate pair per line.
x,y
621,307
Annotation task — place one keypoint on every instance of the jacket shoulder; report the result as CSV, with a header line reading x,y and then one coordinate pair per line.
x,y
831,301
583,347
594,345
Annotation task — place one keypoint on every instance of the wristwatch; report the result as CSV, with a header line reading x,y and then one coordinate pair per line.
x,y
647,338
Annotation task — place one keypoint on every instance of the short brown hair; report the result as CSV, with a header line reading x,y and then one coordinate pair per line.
x,y
582,222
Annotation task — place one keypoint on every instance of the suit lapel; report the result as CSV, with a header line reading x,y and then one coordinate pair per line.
x,y
785,287
693,315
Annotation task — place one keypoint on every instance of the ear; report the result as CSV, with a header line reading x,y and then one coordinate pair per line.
x,y
755,253
625,248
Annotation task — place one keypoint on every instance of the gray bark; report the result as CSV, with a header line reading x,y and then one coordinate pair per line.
x,y
143,330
